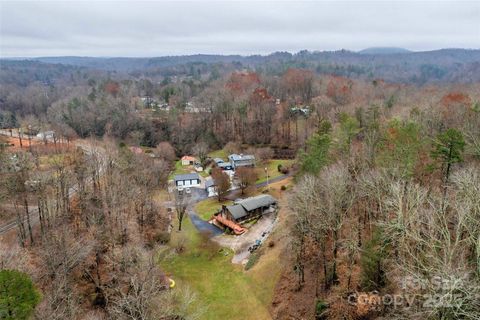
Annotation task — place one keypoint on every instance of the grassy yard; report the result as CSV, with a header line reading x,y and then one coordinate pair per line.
x,y
272,167
223,290
206,208
219,154
179,169
51,160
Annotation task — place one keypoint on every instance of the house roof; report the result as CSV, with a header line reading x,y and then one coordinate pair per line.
x,y
237,211
237,157
241,208
253,203
189,158
187,176
209,183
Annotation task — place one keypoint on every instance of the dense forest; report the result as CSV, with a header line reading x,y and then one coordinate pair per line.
x,y
381,219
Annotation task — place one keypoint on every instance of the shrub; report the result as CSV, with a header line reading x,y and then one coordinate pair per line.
x,y
283,187
18,295
254,257
279,167
320,309
372,264
162,237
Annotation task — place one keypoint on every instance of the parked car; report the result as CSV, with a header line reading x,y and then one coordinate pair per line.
x,y
180,190
188,190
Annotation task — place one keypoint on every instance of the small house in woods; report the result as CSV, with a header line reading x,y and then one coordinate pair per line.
x,y
188,160
46,135
241,160
187,180
246,209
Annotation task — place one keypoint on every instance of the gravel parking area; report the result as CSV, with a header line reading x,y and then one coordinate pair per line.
x,y
259,231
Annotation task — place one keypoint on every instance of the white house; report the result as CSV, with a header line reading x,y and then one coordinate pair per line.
x,y
46,135
210,187
187,180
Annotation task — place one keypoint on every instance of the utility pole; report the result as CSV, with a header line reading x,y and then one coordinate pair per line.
x,y
266,172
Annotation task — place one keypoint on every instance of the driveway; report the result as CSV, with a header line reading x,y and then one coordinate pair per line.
x,y
203,226
240,244
199,194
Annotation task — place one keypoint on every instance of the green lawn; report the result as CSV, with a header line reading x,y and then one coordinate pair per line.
x,y
223,290
219,154
206,208
179,169
272,168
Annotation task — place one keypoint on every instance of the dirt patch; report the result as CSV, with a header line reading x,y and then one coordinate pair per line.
x,y
290,302
36,145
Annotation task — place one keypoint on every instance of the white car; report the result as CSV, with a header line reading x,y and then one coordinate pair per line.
x,y
188,190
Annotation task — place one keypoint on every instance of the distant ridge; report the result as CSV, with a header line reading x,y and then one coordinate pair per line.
x,y
384,50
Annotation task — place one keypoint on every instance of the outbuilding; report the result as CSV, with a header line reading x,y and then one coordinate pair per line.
x,y
188,160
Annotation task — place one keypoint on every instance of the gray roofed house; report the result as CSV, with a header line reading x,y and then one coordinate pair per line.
x,y
210,187
249,208
187,180
237,211
209,183
241,160
263,200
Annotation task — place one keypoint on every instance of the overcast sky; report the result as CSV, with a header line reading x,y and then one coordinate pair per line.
x,y
144,29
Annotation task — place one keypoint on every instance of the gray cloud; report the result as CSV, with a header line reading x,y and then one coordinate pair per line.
x,y
132,28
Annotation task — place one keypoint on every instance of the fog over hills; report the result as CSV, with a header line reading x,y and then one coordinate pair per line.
x,y
390,64
384,50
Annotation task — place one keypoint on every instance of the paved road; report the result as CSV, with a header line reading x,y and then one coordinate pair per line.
x,y
198,195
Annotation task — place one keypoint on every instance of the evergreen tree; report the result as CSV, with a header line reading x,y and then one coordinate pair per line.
x,y
448,149
18,296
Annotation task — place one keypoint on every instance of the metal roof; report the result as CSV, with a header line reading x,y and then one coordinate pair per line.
x,y
187,176
237,157
189,158
241,208
237,211
209,183
253,203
